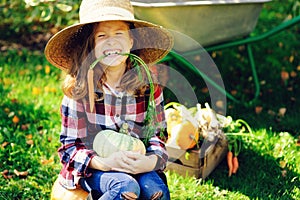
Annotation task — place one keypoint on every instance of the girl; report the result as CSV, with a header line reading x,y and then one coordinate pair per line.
x,y
108,32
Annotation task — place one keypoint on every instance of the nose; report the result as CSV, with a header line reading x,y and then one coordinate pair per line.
x,y
111,40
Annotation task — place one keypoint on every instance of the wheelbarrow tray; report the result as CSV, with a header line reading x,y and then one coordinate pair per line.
x,y
206,22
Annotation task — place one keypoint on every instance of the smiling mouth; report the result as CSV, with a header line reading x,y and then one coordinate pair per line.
x,y
112,52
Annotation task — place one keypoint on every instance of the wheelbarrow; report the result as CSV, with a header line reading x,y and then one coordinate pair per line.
x,y
215,25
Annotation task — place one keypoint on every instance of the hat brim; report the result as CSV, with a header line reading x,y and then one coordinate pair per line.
x,y
154,43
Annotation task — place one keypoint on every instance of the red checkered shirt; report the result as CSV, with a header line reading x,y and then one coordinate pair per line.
x,y
80,126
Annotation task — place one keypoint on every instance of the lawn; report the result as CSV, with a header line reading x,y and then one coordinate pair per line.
x,y
269,161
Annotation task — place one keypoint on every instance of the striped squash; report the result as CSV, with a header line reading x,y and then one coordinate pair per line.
x,y
107,142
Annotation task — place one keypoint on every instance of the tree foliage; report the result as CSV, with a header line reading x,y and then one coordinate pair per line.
x,y
25,17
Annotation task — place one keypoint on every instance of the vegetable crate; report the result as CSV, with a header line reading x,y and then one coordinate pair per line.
x,y
200,162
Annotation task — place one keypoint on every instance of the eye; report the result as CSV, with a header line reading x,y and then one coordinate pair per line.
x,y
100,35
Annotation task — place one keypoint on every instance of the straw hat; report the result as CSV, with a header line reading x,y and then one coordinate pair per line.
x,y
154,41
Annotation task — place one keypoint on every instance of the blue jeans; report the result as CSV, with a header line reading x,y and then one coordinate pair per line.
x,y
112,184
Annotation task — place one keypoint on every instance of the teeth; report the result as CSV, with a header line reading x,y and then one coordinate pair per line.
x,y
111,52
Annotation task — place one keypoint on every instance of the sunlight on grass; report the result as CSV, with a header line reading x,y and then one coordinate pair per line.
x,y
191,188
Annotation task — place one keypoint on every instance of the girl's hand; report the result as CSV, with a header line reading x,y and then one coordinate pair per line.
x,y
125,161
135,163
115,160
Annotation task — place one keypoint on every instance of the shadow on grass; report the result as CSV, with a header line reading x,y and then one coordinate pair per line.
x,y
259,177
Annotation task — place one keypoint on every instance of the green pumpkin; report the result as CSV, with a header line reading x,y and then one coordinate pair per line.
x,y
107,142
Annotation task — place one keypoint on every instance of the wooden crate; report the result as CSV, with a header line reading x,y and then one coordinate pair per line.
x,y
194,162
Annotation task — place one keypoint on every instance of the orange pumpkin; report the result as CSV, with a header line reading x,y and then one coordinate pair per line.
x,y
61,193
185,135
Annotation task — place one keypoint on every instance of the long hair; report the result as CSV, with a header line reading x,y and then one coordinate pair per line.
x,y
75,86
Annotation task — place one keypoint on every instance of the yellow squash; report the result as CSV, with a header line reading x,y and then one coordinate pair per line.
x,y
61,193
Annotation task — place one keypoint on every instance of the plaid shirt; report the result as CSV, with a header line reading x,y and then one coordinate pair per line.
x,y
80,126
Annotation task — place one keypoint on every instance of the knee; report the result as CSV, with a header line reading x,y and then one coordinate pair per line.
x,y
129,196
128,187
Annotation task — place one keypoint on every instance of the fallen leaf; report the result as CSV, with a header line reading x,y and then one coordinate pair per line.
x,y
291,58
6,110
39,67
54,30
15,119
7,81
23,72
47,89
284,75
46,161
197,58
293,99
214,54
282,164
11,114
24,173
233,92
14,100
5,174
29,142
271,112
293,74
36,91
258,109
24,127
220,104
29,137
47,69
263,82
53,90
4,144
290,89
204,90
282,112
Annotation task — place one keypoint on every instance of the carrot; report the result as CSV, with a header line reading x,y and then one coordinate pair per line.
x,y
235,164
229,160
90,80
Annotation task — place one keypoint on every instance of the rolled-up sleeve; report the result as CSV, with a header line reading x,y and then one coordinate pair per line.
x,y
73,153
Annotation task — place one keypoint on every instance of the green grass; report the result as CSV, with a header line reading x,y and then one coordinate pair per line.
x,y
27,145
269,161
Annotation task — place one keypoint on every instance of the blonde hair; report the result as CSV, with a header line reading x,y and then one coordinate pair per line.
x,y
75,86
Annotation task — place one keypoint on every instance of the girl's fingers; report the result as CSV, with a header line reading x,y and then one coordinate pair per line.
x,y
131,154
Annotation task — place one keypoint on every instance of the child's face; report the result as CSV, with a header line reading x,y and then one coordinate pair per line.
x,y
111,38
